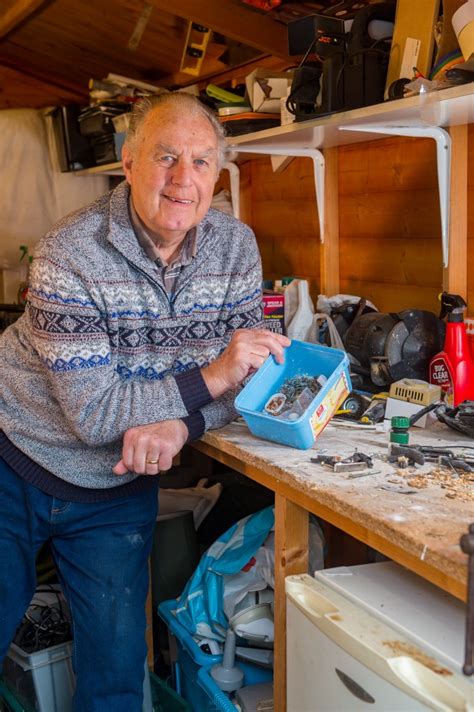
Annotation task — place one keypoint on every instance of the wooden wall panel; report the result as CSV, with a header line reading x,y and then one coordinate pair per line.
x,y
389,222
390,231
282,210
470,222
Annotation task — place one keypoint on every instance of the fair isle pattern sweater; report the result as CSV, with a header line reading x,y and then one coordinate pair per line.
x,y
102,348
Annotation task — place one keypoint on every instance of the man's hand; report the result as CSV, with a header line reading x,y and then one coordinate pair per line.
x,y
149,449
246,352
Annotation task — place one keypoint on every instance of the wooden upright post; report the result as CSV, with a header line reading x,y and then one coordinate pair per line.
x,y
291,557
455,275
329,260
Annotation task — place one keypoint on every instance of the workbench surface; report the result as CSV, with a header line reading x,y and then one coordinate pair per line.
x,y
420,529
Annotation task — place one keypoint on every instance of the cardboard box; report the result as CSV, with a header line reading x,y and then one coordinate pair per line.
x,y
265,89
274,311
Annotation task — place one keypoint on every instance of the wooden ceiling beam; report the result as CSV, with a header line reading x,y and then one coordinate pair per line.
x,y
17,11
61,84
234,21
18,90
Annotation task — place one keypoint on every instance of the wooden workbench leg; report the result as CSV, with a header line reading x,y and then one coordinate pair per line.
x,y
291,557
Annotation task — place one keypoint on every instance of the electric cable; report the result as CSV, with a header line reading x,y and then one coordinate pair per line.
x,y
44,625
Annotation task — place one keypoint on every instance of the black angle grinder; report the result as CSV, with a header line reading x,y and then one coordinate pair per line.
x,y
387,347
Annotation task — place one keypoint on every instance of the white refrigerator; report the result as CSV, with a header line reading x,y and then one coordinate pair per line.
x,y
374,637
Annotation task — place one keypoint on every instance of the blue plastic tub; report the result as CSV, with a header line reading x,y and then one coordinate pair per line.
x,y
218,699
191,659
301,359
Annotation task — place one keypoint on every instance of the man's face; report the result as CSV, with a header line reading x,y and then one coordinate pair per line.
x,y
172,172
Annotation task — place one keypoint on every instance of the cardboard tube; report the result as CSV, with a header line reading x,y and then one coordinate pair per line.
x,y
463,25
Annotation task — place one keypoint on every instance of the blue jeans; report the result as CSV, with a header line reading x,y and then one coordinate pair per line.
x,y
101,552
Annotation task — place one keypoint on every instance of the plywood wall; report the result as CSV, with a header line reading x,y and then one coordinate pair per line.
x,y
470,223
389,223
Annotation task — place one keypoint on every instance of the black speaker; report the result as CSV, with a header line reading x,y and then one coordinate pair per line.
x,y
74,149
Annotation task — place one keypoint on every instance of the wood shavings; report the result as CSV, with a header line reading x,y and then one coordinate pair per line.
x,y
419,482
459,485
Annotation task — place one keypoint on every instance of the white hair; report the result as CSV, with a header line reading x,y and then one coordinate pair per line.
x,y
188,104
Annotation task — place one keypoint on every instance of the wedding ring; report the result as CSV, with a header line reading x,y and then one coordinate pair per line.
x,y
152,462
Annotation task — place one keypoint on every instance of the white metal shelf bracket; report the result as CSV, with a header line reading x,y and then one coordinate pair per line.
x,y
234,177
318,168
443,160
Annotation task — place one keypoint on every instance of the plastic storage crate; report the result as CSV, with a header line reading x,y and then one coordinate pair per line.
x,y
191,659
10,702
301,359
164,698
217,700
42,681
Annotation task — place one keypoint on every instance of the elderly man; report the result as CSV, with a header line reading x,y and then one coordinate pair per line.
x,y
143,319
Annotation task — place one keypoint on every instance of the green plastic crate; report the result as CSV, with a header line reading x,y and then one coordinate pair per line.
x,y
166,699
9,700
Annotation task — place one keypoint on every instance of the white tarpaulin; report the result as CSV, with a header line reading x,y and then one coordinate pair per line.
x,y
34,194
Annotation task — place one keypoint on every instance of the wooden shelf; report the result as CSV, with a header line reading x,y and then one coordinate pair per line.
x,y
108,169
449,107
425,115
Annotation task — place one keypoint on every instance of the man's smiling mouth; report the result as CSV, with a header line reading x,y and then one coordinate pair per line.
x,y
180,201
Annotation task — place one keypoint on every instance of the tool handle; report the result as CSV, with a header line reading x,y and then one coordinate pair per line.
x,y
424,411
467,546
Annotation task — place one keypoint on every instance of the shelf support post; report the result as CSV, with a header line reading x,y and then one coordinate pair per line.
x,y
318,168
443,159
234,178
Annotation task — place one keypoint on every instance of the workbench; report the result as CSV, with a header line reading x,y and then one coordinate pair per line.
x,y
420,530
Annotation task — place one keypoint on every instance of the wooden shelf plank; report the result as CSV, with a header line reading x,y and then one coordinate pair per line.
x,y
449,107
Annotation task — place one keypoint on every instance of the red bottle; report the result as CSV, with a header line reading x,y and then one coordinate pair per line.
x,y
453,368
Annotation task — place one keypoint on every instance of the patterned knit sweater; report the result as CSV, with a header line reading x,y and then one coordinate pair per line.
x,y
102,348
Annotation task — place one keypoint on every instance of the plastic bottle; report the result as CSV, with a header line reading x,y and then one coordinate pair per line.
x,y
453,368
302,321
23,286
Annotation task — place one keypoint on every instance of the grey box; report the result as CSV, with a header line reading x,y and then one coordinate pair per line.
x,y
43,681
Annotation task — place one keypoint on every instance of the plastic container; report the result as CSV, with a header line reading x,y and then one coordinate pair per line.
x,y
10,702
453,368
302,321
42,681
119,140
191,659
217,700
164,698
301,358
469,321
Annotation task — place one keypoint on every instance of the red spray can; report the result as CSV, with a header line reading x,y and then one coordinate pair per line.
x,y
453,368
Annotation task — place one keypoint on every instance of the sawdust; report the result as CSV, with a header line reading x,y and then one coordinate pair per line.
x,y
401,648
459,485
